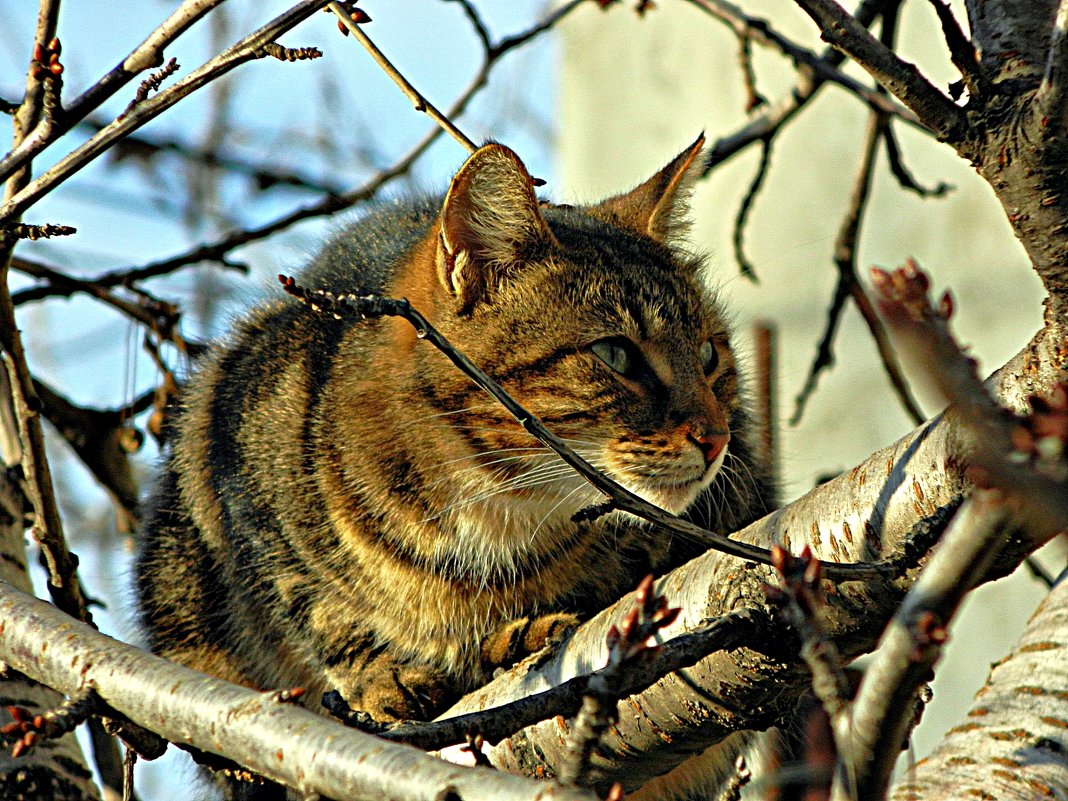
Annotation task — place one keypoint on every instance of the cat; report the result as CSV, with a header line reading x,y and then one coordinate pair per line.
x,y
343,509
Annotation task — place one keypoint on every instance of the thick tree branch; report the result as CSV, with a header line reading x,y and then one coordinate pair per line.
x,y
1010,745
280,741
1052,96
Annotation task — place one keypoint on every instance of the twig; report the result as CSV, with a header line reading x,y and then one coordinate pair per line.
x,y
146,55
628,646
420,102
814,71
247,49
845,260
753,98
744,628
800,603
901,79
153,82
156,315
103,440
744,265
353,305
218,249
901,172
737,782
145,147
961,51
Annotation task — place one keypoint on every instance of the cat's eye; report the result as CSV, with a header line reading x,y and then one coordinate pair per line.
x,y
617,353
709,357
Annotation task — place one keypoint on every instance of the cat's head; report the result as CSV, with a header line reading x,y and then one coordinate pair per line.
x,y
595,318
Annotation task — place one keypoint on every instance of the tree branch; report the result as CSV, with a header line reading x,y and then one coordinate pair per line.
x,y
148,54
900,78
884,710
1010,744
420,102
1052,96
280,741
247,49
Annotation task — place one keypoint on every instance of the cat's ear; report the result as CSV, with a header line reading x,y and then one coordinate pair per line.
x,y
658,208
490,223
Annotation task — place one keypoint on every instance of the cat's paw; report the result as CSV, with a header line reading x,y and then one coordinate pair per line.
x,y
519,638
405,692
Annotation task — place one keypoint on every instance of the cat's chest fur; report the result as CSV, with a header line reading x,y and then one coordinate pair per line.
x,y
344,509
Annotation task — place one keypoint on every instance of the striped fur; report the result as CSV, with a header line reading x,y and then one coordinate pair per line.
x,y
343,509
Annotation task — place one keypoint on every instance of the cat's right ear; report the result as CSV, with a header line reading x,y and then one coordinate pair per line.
x,y
490,223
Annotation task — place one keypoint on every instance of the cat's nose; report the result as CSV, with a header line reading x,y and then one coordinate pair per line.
x,y
710,443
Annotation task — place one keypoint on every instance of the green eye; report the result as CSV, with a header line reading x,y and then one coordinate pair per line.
x,y
613,353
709,357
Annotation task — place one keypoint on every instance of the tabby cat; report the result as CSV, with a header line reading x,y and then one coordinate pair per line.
x,y
344,509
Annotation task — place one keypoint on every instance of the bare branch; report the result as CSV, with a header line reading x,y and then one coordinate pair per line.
x,y
814,71
247,49
218,250
845,259
283,742
884,710
900,78
744,265
962,51
733,630
146,55
420,102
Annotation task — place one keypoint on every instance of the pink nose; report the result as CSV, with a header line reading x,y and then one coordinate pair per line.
x,y
711,444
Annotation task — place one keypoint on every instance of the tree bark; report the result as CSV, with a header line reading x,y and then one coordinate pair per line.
x,y
1011,744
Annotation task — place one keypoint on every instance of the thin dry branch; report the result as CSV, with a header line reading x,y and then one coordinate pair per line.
x,y
845,259
220,248
745,628
901,79
418,100
746,206
814,72
265,176
146,55
962,51
247,49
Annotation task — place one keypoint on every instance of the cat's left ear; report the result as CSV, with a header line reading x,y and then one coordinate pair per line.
x,y
490,224
659,207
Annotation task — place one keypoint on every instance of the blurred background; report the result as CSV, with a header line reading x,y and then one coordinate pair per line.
x,y
593,106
